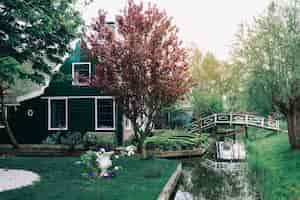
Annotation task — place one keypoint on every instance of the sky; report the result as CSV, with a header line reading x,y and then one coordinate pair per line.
x,y
210,24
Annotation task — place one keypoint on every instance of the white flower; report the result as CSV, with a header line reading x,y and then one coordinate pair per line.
x,y
130,153
77,162
116,168
117,156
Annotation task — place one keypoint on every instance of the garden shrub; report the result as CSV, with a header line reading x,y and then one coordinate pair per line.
x,y
66,138
53,138
89,139
169,140
89,162
71,139
103,140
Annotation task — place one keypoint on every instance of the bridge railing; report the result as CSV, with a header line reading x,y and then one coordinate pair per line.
x,y
238,119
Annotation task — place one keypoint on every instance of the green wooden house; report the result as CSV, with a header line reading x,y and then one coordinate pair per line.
x,y
69,103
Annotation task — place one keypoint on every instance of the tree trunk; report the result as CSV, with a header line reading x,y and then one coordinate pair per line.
x,y
293,117
4,117
10,133
140,145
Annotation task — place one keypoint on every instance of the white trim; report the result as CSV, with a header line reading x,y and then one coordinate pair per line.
x,y
78,97
49,113
12,104
96,114
73,73
5,112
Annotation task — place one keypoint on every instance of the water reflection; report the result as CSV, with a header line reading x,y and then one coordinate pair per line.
x,y
201,182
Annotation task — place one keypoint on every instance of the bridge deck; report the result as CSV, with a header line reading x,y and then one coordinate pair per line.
x,y
238,119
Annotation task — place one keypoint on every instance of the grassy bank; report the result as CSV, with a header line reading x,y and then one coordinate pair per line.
x,y
61,179
275,167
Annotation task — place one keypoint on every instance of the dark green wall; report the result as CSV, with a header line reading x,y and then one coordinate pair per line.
x,y
32,130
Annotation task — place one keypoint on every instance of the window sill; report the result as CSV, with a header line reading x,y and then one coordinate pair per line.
x,y
80,84
57,129
105,129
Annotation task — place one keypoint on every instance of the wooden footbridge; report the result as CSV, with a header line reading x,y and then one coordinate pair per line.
x,y
236,119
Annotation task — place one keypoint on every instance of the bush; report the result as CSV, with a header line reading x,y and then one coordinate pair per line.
x,y
176,140
93,139
71,139
67,138
89,162
52,139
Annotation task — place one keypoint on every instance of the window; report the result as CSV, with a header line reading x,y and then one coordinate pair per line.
x,y
105,113
81,73
57,114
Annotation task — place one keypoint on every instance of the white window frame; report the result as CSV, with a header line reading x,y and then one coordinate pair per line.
x,y
74,82
49,113
96,114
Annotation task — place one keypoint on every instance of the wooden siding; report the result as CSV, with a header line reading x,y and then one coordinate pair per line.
x,y
34,129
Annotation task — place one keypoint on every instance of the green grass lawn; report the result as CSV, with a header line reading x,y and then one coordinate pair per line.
x,y
275,167
61,179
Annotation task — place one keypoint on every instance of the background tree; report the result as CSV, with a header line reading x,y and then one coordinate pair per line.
x,y
215,83
142,63
35,33
204,103
269,51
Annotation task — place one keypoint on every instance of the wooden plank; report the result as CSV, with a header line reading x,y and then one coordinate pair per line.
x,y
171,184
172,154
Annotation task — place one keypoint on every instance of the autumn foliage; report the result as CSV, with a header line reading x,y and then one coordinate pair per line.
x,y
140,61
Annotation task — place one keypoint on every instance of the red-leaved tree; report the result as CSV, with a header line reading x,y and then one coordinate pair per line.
x,y
140,61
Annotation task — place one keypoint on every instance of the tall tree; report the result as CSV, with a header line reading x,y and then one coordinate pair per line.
x,y
269,51
37,33
142,62
213,77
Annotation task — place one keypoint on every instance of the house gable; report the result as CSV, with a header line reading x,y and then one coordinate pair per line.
x,y
80,106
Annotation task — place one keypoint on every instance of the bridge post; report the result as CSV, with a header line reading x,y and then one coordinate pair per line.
x,y
215,117
277,124
246,131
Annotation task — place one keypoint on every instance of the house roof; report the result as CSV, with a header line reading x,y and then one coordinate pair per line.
x,y
66,90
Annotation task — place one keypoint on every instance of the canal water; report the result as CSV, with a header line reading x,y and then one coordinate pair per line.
x,y
204,179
